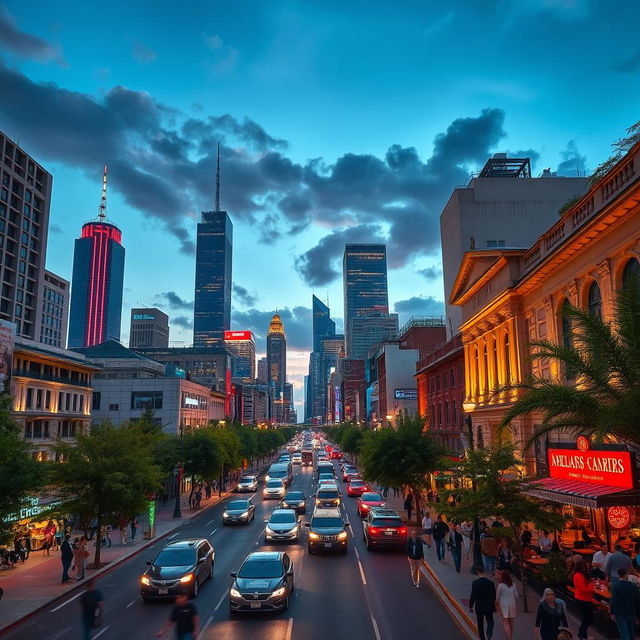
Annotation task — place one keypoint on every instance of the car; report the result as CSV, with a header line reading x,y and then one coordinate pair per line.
x,y
238,512
348,470
357,488
294,500
325,482
307,457
353,475
181,566
336,454
328,495
274,489
327,531
325,467
282,525
326,476
264,582
247,484
383,527
296,458
368,500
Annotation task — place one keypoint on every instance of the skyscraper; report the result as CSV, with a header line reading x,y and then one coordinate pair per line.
x,y
365,284
277,356
243,347
214,244
323,325
97,281
55,310
262,375
149,328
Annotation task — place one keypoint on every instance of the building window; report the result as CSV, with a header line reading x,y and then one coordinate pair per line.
x,y
453,379
595,300
114,407
492,244
95,405
631,273
446,412
29,400
146,399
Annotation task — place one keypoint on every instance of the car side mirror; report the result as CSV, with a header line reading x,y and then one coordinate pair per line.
x,y
148,563
234,574
290,572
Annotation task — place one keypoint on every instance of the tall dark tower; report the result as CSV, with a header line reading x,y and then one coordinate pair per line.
x,y
277,355
214,245
98,280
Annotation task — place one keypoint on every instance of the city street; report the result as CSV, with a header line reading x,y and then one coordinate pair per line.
x,y
361,595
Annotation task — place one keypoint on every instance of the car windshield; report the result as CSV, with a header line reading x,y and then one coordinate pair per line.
x,y
326,476
274,484
371,497
294,495
283,517
327,493
387,522
278,473
248,479
237,504
326,522
261,569
175,558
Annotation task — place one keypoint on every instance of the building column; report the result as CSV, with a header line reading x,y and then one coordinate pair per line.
x,y
482,371
515,365
606,290
468,384
502,369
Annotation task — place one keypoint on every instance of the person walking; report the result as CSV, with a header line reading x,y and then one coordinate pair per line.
x,y
489,551
551,615
91,607
415,553
506,603
122,525
483,599
583,585
466,529
440,530
49,537
427,528
505,555
66,557
80,555
455,546
408,506
133,525
616,561
625,604
184,616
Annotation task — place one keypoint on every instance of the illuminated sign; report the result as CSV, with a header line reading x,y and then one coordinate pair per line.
x,y
231,336
191,401
618,517
612,468
143,316
406,394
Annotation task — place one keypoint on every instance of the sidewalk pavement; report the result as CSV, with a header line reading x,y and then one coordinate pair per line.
x,y
37,583
456,588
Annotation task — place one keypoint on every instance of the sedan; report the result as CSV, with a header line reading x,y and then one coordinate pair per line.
x,y
274,489
283,525
294,500
263,583
357,488
238,512
247,484
296,458
368,500
348,470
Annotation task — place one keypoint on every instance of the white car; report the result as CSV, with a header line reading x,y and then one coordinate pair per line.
x,y
247,484
296,458
274,489
283,525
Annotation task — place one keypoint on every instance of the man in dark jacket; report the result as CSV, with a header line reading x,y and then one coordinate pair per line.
x,y
415,553
66,556
440,530
483,598
625,604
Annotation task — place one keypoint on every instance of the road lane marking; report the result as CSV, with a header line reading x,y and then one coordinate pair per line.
x,y
375,628
357,554
132,603
289,629
66,602
210,522
213,532
174,535
364,580
100,633
206,626
222,597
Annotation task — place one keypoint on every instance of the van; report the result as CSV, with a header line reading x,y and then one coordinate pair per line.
x,y
281,470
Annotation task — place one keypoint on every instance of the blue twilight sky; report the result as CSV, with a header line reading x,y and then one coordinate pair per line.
x,y
339,121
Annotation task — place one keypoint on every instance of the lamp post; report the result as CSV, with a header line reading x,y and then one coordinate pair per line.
x,y
221,423
177,475
468,408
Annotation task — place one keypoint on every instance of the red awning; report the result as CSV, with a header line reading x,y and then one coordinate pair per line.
x,y
581,494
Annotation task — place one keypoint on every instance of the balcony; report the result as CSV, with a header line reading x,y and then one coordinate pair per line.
x,y
36,375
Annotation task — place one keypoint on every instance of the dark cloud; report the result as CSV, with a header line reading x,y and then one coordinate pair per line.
x,y
630,65
182,321
174,301
245,298
26,45
430,273
297,326
418,306
573,164
142,54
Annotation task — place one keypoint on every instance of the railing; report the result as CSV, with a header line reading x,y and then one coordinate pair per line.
x,y
36,375
422,321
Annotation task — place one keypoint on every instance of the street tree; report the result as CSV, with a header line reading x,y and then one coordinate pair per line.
x,y
351,440
201,455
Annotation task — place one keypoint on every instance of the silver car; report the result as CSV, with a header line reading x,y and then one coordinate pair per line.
x,y
283,526
274,489
247,484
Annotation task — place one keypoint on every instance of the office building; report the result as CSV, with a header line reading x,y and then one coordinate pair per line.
x,y
149,328
263,375
364,272
323,325
331,350
277,356
369,331
242,346
55,310
503,207
25,196
97,281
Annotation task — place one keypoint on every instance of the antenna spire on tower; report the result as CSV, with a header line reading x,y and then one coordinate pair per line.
x,y
218,180
102,209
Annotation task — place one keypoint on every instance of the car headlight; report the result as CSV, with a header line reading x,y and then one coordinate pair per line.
x,y
278,592
268,531
245,514
342,535
225,515
267,478
145,580
313,536
187,578
234,593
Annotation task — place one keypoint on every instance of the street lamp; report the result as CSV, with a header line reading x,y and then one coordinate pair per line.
x,y
468,407
177,477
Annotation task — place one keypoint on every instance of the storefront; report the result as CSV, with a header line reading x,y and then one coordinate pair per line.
x,y
29,520
597,491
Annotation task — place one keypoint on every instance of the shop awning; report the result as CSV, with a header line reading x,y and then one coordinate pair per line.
x,y
581,494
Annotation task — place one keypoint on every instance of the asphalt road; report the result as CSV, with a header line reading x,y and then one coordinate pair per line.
x,y
358,596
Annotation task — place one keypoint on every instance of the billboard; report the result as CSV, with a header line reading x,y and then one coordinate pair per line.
x,y
7,342
231,336
406,394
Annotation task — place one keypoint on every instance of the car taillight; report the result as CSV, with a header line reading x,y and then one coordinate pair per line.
x,y
374,531
402,531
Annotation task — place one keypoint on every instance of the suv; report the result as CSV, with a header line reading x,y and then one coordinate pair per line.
x,y
182,565
327,495
327,531
383,528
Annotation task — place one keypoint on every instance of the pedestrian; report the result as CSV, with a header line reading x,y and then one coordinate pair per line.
x,y
106,535
440,530
18,547
506,603
483,598
615,561
489,551
551,616
408,506
385,492
526,537
27,541
93,527
600,557
207,490
455,546
427,528
466,529
583,585
91,606
133,524
122,525
505,555
49,536
66,556
544,544
198,498
415,554
57,538
184,616
80,555
625,604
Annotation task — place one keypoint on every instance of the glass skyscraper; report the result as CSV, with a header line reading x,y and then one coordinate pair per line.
x,y
323,325
212,306
364,271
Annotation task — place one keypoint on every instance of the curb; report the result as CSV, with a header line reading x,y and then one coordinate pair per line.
x,y
111,565
457,612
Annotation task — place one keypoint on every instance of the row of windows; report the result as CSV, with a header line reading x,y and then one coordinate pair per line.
x,y
47,371
139,400
40,429
448,380
446,413
42,399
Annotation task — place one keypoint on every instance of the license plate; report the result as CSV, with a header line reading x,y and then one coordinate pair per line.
x,y
256,605
163,592
328,545
388,533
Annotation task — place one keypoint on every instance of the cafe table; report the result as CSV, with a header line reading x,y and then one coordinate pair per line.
x,y
537,562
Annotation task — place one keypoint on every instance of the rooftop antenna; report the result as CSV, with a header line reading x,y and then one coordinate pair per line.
x,y
102,209
218,180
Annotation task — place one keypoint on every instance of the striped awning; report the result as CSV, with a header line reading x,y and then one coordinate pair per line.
x,y
581,494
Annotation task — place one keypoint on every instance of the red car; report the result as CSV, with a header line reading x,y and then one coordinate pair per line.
x,y
368,500
336,455
349,470
357,488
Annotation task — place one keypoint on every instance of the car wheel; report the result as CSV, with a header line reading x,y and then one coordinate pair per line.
x,y
145,600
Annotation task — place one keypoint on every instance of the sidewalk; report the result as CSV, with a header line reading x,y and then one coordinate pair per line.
x,y
37,582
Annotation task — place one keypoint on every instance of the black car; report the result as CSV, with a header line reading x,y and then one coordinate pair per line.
x,y
294,500
263,583
327,531
181,567
238,512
